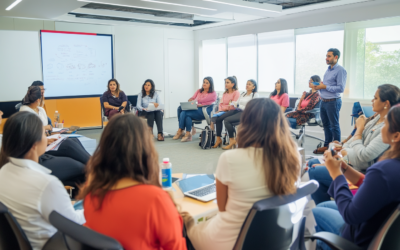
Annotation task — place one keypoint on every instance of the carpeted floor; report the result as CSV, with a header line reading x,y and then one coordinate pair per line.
x,y
188,157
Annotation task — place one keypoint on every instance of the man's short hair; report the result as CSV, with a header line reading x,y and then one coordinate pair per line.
x,y
37,83
335,52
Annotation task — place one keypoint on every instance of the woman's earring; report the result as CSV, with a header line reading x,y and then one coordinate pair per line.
x,y
392,140
385,107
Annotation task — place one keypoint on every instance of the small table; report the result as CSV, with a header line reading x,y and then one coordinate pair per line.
x,y
200,211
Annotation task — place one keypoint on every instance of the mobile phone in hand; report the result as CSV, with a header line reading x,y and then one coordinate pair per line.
x,y
332,149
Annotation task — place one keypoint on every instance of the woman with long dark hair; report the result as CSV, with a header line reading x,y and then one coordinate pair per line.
x,y
147,96
114,99
205,96
307,102
233,116
226,104
362,150
265,164
27,188
68,161
280,94
123,198
358,218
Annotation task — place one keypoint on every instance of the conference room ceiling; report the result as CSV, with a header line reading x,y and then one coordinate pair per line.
x,y
183,13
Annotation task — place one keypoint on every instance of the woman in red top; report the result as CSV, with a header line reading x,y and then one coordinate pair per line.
x,y
307,102
123,198
280,94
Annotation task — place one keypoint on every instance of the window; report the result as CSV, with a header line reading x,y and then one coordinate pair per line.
x,y
214,62
242,59
275,59
311,49
382,58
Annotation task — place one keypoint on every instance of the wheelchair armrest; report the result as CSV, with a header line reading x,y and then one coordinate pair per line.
x,y
335,241
313,111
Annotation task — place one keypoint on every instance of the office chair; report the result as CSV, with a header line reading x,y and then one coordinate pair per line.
x,y
11,234
272,222
71,235
386,238
292,104
314,120
207,117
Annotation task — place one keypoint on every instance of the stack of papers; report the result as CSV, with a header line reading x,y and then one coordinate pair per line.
x,y
55,145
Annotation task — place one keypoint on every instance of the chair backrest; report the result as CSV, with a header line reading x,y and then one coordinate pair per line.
x,y
292,102
102,106
11,234
18,106
318,119
133,99
388,235
270,222
76,236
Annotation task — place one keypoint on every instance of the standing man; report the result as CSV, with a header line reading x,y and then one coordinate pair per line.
x,y
330,89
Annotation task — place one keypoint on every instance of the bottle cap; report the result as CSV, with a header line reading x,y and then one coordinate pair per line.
x,y
165,160
56,111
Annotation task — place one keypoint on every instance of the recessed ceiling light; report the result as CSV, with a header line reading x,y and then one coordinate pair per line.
x,y
13,4
177,4
241,6
131,6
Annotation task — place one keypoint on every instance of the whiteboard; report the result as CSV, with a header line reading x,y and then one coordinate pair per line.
x,y
19,63
76,64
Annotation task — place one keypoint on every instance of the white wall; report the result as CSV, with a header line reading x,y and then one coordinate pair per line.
x,y
140,53
341,14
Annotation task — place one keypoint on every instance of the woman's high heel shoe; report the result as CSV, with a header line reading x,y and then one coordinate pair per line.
x,y
178,136
232,144
218,143
187,138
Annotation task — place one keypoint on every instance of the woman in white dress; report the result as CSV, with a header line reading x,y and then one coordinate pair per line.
x,y
265,164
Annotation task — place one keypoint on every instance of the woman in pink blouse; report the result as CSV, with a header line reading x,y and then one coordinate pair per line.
x,y
280,94
204,97
226,104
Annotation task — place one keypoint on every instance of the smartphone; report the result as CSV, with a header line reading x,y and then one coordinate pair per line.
x,y
332,149
120,108
316,83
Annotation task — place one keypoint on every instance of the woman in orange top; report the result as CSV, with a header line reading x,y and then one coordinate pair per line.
x,y
123,198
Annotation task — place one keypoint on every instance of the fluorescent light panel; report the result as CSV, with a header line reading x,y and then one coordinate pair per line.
x,y
241,6
177,4
13,4
146,8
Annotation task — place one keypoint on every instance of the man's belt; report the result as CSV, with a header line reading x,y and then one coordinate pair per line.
x,y
330,100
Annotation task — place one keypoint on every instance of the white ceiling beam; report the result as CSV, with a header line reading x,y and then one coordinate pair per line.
x,y
122,14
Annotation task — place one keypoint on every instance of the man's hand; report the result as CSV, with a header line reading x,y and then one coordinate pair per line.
x,y
320,86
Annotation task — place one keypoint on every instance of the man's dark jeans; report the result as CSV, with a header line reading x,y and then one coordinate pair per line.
x,y
330,119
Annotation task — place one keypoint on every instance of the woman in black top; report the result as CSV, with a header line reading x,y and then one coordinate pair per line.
x,y
114,99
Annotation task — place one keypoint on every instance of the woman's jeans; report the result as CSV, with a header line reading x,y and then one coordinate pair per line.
x,y
292,122
186,116
320,174
328,219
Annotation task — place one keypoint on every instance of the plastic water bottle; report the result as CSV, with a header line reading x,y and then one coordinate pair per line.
x,y
56,118
166,172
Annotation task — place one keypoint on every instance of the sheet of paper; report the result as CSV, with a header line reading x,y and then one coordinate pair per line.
x,y
57,129
54,137
71,135
151,107
55,145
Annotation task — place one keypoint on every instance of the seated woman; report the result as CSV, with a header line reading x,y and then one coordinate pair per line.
x,y
233,116
68,162
123,197
27,188
280,94
307,102
248,174
114,99
359,218
230,96
204,97
364,147
147,96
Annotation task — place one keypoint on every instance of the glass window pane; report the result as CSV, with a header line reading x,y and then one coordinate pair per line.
x,y
275,59
382,58
242,59
214,62
311,52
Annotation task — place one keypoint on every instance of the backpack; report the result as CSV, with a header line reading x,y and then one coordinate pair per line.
x,y
207,138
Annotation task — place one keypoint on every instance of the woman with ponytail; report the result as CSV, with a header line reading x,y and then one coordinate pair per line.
x,y
226,104
31,103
